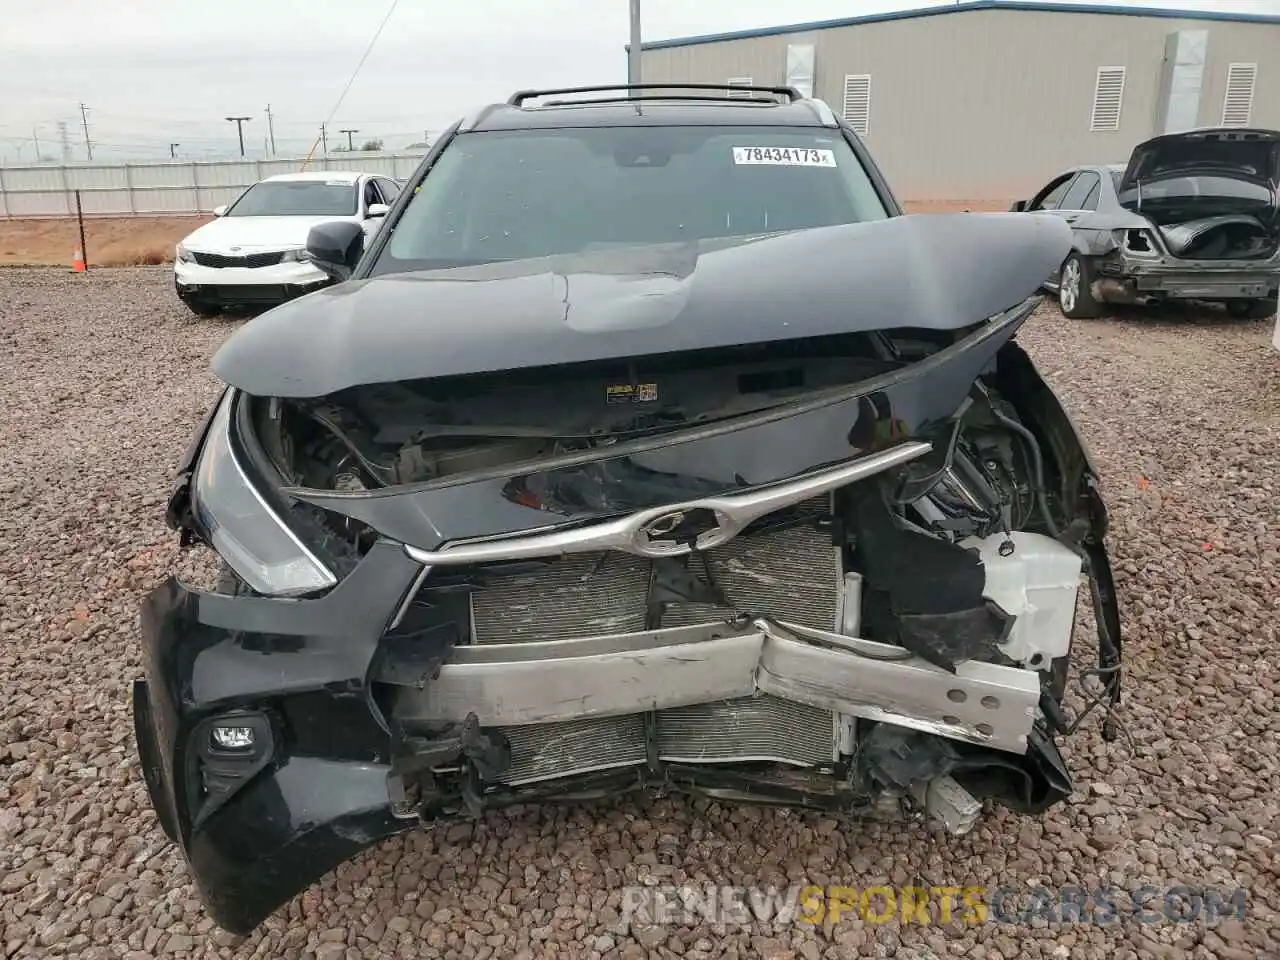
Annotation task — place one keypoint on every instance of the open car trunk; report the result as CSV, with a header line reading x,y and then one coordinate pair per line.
x,y
1212,194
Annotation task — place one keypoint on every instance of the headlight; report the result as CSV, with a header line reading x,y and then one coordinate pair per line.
x,y
183,254
299,255
242,527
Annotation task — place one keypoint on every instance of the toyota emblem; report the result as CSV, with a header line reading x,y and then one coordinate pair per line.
x,y
664,525
679,531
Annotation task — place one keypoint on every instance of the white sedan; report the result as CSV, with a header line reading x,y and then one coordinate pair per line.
x,y
254,253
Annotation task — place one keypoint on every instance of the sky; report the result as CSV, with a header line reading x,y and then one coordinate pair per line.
x,y
157,72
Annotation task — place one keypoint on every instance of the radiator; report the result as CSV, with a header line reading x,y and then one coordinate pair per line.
x,y
580,595
790,574
751,729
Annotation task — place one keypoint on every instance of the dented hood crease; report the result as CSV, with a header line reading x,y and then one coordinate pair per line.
x,y
942,272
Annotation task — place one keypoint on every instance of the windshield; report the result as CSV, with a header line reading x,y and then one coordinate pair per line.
x,y
297,198
515,195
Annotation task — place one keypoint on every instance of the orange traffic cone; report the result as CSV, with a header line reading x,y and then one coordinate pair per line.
x,y
78,263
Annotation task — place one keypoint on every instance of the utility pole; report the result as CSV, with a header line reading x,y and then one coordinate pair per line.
x,y
324,141
271,130
633,53
350,144
35,135
84,121
64,137
240,122
173,150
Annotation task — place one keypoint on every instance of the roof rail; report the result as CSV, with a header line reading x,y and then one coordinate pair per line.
x,y
598,101
518,98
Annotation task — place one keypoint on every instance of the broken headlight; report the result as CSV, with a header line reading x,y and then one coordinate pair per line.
x,y
242,527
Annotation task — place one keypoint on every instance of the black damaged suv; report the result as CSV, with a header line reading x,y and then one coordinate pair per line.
x,y
648,446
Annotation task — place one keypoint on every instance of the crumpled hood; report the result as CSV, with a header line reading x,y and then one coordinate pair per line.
x,y
253,233
942,272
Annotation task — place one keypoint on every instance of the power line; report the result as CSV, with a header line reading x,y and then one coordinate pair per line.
x,y
355,73
188,121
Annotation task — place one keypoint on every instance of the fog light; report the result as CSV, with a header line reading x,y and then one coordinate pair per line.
x,y
227,752
232,738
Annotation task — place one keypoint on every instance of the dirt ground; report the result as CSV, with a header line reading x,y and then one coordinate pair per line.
x,y
139,241
111,241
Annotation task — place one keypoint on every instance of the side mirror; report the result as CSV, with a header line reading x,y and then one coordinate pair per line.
x,y
1019,206
219,210
378,210
336,247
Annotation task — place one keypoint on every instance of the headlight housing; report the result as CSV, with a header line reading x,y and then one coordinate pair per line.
x,y
240,524
184,255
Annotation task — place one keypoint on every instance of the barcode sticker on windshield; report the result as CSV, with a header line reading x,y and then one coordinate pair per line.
x,y
784,156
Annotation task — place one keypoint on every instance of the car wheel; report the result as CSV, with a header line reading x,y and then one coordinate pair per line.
x,y
1252,309
1075,289
200,308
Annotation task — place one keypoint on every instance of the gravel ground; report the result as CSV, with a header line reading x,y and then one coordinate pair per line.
x,y
102,381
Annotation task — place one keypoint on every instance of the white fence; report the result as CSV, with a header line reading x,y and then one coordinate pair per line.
x,y
157,189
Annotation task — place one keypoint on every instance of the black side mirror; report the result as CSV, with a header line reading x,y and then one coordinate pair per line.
x,y
1019,206
336,247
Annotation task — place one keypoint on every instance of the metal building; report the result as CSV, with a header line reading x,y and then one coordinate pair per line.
x,y
987,99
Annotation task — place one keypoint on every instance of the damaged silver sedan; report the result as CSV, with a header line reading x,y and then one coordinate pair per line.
x,y
684,462
1191,216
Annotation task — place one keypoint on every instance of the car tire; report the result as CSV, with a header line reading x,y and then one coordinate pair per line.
x,y
1075,289
200,308
1252,309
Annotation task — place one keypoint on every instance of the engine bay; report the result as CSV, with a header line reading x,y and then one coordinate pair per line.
x,y
401,433
971,555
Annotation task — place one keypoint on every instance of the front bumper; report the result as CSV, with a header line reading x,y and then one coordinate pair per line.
x,y
235,285
516,684
1131,279
341,703
322,795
